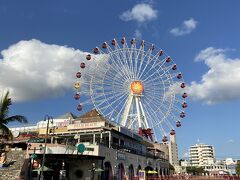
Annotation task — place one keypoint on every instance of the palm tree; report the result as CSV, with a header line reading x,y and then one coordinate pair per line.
x,y
5,118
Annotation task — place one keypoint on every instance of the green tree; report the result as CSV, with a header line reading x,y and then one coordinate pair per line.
x,y
195,170
5,103
238,167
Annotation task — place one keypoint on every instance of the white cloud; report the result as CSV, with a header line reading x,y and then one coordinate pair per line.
x,y
33,69
222,81
140,13
186,28
138,34
230,141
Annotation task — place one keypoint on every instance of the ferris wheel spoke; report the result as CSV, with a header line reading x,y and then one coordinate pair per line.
x,y
120,112
169,125
118,65
151,114
180,101
131,58
110,97
98,88
137,54
149,59
155,64
119,53
110,94
109,76
119,103
154,77
112,102
142,58
165,70
158,107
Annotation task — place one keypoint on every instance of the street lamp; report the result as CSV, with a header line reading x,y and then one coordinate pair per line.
x,y
93,170
33,156
47,118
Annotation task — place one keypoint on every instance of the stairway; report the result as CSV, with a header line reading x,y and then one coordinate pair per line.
x,y
15,159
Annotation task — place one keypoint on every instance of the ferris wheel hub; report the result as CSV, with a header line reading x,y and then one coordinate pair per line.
x,y
137,87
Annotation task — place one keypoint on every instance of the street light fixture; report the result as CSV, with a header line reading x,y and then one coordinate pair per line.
x,y
47,118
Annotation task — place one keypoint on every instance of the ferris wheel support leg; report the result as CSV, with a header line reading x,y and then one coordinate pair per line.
x,y
144,116
138,112
126,110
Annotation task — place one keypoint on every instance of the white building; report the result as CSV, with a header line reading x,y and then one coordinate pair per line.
x,y
201,154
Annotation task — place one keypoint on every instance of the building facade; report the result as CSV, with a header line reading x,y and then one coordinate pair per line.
x,y
107,150
201,154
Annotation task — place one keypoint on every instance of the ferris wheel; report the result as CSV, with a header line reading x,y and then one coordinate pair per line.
x,y
135,85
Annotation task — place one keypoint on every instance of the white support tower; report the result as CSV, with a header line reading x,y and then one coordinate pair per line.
x,y
130,119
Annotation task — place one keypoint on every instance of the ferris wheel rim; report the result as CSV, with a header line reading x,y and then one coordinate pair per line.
x,y
170,77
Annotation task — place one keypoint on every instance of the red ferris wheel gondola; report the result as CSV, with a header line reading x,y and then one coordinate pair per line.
x,y
182,114
104,45
113,42
172,132
164,139
77,96
88,57
160,53
152,47
82,65
183,85
184,105
168,59
79,107
133,41
96,50
78,74
184,95
123,41
178,124
174,67
179,76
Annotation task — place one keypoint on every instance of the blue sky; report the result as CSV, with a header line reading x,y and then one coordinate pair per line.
x,y
201,36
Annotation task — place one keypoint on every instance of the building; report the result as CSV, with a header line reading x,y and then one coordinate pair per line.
x,y
92,147
201,154
173,153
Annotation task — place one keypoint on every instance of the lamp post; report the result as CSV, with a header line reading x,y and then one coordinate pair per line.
x,y
33,156
47,118
93,170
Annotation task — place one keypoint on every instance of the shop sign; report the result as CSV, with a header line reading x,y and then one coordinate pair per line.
x,y
86,125
81,148
62,124
120,156
141,175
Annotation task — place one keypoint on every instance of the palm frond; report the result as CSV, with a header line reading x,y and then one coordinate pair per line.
x,y
4,106
19,118
6,131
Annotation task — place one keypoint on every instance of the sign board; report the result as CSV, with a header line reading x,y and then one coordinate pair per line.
x,y
120,156
86,125
81,148
62,124
141,175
